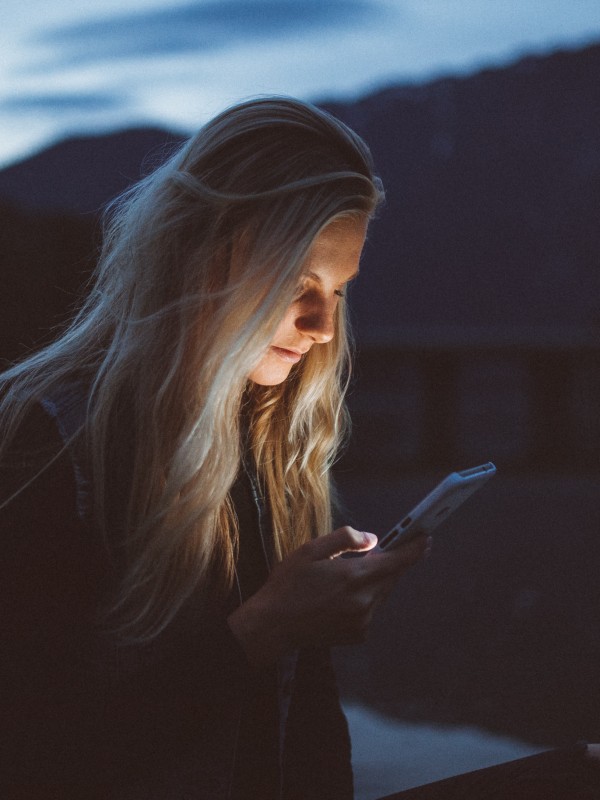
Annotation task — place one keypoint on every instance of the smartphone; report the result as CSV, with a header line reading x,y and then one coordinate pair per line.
x,y
437,506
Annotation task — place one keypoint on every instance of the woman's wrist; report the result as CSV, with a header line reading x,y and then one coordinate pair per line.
x,y
256,637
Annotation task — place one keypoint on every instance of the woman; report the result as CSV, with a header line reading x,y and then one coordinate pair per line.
x,y
172,582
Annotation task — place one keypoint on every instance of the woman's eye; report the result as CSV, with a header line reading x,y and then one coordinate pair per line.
x,y
339,293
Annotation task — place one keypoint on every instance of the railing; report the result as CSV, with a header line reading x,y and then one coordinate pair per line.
x,y
432,407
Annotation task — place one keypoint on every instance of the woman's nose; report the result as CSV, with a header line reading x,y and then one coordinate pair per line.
x,y
318,322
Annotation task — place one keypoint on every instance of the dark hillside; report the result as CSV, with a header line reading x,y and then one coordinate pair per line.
x,y
45,259
493,198
79,175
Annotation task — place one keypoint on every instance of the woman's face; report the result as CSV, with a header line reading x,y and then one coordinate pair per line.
x,y
333,261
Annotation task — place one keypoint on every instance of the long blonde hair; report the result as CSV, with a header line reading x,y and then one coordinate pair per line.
x,y
199,263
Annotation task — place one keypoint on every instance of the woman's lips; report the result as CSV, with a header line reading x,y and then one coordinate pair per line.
x,y
291,356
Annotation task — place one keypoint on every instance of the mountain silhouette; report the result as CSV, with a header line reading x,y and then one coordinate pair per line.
x,y
493,191
493,195
80,175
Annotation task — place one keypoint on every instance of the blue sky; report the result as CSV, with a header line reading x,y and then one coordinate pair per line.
x,y
83,66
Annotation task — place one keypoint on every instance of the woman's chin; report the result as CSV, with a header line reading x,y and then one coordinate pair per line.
x,y
274,367
265,375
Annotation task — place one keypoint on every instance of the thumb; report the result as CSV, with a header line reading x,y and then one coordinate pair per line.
x,y
340,541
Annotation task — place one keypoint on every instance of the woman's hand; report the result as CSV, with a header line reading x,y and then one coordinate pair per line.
x,y
313,597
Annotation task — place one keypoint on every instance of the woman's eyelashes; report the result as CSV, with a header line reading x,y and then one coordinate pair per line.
x,y
303,289
341,292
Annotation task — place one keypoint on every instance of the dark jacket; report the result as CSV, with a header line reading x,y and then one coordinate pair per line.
x,y
83,716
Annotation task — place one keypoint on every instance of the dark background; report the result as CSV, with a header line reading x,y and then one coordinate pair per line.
x,y
477,315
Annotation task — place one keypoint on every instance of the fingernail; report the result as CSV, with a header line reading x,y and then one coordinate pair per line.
x,y
369,538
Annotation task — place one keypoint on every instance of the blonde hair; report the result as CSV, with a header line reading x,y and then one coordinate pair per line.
x,y
199,263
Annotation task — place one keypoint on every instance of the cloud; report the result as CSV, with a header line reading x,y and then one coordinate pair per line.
x,y
200,26
90,102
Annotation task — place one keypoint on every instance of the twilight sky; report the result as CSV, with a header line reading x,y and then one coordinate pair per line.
x,y
83,66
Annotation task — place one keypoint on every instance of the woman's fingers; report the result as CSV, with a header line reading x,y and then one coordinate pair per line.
x,y
314,597
402,557
342,540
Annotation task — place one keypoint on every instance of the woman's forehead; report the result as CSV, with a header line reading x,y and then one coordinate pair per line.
x,y
340,244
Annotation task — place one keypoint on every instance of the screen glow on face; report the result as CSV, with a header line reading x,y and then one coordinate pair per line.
x,y
310,319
